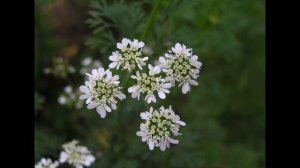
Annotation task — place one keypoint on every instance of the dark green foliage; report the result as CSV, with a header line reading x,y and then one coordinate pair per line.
x,y
225,114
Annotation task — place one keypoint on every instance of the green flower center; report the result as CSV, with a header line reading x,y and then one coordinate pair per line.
x,y
179,68
75,156
159,126
130,57
103,91
148,83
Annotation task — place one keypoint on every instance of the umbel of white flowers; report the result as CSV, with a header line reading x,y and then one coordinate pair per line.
x,y
180,65
101,91
159,127
76,155
46,163
149,83
128,56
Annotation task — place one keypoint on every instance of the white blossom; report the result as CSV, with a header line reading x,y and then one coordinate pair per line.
x,y
46,163
159,127
180,65
129,55
149,84
70,97
62,100
76,155
86,61
101,91
68,89
88,64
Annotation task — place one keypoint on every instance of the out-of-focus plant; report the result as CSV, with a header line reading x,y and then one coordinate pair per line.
x,y
70,98
61,68
77,156
88,64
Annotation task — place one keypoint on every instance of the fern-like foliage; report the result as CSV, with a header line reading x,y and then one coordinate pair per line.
x,y
111,22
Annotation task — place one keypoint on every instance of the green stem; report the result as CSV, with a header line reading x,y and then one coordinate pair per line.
x,y
150,19
145,103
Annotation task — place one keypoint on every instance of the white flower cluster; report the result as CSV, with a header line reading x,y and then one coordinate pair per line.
x,y
61,68
178,65
46,163
149,83
129,55
76,155
101,91
159,126
73,154
70,98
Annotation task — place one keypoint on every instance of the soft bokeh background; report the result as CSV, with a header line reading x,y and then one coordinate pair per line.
x,y
225,114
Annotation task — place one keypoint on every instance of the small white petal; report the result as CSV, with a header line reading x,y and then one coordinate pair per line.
x,y
119,46
87,83
92,105
84,89
156,69
121,96
88,100
181,123
94,72
140,67
178,47
141,133
108,74
114,57
174,141
84,96
113,106
107,108
193,82
163,145
151,145
145,58
135,94
162,60
101,111
150,67
185,88
167,85
63,157
198,64
161,94
133,77
115,77
148,99
196,71
144,116
154,99
142,63
194,58
145,138
101,71
113,65
132,89
141,44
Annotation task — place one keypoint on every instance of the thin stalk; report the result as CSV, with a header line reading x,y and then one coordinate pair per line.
x,y
150,19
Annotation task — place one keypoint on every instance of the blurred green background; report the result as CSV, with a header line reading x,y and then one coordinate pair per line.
x,y
225,114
